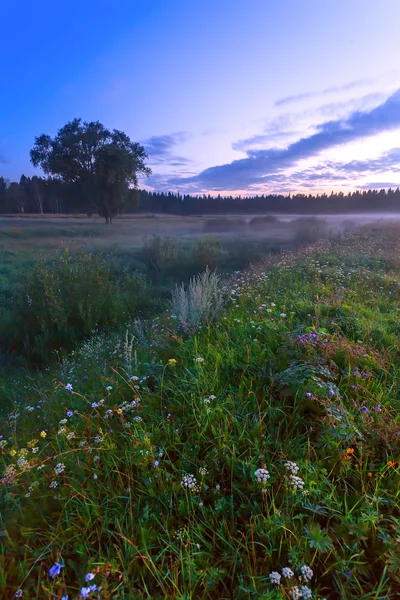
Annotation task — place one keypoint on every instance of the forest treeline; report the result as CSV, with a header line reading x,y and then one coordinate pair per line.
x,y
38,195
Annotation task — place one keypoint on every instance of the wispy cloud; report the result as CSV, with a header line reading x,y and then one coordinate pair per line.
x,y
160,149
378,185
319,93
259,165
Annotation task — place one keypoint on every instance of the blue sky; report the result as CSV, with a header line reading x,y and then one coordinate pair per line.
x,y
226,96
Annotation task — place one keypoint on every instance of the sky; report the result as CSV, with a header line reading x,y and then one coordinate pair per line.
x,y
227,97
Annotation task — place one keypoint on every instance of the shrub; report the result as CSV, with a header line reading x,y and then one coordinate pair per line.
x,y
199,302
309,229
263,222
159,252
64,301
206,252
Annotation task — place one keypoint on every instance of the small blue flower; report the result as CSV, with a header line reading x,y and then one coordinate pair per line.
x,y
378,408
55,570
364,409
69,413
89,577
331,392
64,597
308,395
95,405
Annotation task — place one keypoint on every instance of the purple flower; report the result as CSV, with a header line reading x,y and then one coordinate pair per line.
x,y
364,409
55,570
308,395
69,413
378,408
89,577
85,591
69,387
331,392
64,597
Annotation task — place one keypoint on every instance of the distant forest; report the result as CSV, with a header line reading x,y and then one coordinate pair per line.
x,y
39,195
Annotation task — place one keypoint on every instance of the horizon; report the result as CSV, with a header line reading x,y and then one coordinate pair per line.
x,y
223,102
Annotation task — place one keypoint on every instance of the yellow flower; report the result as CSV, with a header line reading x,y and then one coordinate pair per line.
x,y
119,411
43,434
13,452
172,362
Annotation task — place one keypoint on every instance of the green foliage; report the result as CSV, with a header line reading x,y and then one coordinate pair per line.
x,y
65,300
215,466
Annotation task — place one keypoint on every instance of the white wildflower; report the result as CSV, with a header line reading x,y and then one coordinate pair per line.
x,y
262,475
307,573
275,577
292,467
287,572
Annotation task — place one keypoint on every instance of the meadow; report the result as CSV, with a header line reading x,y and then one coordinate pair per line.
x,y
238,440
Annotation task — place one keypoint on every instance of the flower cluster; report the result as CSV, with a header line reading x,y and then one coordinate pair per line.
x,y
190,482
262,475
292,467
296,482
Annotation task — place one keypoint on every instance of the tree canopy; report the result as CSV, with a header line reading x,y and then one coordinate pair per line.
x,y
98,164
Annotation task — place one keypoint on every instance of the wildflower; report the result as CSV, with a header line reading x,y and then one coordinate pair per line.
x,y
69,387
190,482
308,395
172,362
156,463
296,482
307,573
109,388
63,421
217,487
283,315
275,577
64,597
53,484
96,458
292,467
378,408
95,404
295,593
59,468
331,392
69,413
89,577
348,453
305,592
391,464
262,475
18,594
55,570
287,572
203,471
43,434
199,359
85,591
364,409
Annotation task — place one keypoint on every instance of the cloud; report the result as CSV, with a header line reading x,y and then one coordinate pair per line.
x,y
260,164
161,145
318,93
378,186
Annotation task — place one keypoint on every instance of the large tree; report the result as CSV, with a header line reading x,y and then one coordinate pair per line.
x,y
100,164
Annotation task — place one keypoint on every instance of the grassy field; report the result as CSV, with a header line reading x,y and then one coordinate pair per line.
x,y
50,300
253,454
